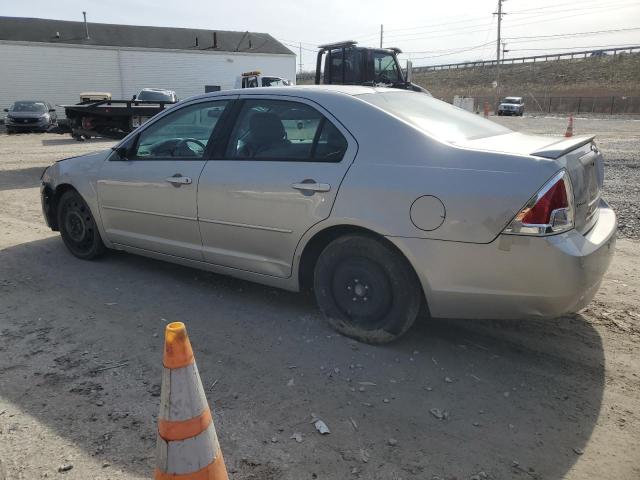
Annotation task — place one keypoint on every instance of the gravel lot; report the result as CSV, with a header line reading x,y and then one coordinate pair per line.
x,y
80,361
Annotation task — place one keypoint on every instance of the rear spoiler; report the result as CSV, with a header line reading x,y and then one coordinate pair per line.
x,y
558,149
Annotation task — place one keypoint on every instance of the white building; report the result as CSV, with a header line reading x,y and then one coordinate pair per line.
x,y
53,60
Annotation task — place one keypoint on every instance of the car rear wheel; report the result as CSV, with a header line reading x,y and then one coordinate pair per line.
x,y
366,290
78,227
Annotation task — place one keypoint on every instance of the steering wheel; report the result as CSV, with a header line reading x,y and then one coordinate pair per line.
x,y
183,143
382,78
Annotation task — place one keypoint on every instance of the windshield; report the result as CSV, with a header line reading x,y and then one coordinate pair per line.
x,y
31,107
149,96
435,117
385,68
511,100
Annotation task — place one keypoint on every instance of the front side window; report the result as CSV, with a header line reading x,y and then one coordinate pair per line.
x,y
272,82
183,133
283,130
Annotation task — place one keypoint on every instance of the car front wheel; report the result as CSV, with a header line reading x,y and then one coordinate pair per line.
x,y
366,289
78,227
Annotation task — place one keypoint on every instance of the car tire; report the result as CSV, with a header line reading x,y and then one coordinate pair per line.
x,y
366,290
78,227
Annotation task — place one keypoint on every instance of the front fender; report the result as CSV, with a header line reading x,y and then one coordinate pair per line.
x,y
80,173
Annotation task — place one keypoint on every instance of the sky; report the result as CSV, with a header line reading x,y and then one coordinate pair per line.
x,y
429,33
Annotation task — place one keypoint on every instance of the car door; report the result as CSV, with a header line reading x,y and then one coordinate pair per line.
x,y
277,175
147,194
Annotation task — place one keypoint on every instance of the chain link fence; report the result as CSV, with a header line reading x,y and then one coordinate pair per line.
x,y
608,105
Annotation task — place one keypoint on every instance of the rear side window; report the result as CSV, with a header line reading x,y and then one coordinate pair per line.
x,y
279,130
435,117
349,64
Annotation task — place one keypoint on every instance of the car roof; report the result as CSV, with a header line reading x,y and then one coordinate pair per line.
x,y
307,91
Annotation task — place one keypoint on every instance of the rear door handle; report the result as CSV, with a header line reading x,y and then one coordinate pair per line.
x,y
311,186
178,180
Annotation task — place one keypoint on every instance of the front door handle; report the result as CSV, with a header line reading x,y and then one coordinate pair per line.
x,y
178,180
311,186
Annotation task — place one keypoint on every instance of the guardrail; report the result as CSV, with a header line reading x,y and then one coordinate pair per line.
x,y
603,52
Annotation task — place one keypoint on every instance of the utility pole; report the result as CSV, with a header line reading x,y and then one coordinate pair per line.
x,y
300,56
381,34
504,51
86,26
499,13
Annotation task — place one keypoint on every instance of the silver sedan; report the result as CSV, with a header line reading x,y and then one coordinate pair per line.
x,y
385,202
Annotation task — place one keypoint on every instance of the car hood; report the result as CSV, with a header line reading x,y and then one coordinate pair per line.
x,y
509,104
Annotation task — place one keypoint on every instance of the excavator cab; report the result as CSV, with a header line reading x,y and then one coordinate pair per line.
x,y
347,64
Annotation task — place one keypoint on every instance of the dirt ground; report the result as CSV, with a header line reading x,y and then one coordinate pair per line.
x,y
80,362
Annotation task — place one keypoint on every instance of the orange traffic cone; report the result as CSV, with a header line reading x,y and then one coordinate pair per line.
x,y
486,109
188,446
569,132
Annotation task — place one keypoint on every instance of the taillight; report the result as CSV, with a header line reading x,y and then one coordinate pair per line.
x,y
549,211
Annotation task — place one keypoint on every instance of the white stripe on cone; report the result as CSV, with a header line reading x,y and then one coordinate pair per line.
x,y
188,456
182,396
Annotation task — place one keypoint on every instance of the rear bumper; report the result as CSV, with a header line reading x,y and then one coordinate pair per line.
x,y
514,276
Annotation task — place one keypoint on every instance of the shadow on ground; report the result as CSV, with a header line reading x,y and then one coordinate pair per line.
x,y
80,351
100,142
22,178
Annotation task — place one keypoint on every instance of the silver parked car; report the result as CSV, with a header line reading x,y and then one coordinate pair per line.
x,y
383,201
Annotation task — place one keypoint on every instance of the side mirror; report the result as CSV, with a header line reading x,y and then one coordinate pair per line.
x,y
121,152
6,109
133,99
52,110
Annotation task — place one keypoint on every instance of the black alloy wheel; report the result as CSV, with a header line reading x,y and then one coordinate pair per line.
x,y
366,289
78,228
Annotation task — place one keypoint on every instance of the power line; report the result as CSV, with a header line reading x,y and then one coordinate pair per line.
x,y
597,32
429,29
553,7
453,52
566,48
522,21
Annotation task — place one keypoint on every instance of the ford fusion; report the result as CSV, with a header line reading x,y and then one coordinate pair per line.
x,y
384,202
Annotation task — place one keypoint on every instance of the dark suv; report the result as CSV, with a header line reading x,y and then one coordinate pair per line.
x,y
30,115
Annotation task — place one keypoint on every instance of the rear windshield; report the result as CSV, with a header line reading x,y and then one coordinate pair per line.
x,y
32,107
435,117
155,96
